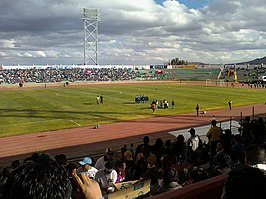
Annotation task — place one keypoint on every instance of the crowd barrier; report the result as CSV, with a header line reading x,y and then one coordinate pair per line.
x,y
210,188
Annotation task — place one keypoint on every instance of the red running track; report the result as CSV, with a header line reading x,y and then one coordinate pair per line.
x,y
77,142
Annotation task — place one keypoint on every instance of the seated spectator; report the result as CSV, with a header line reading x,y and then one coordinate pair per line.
x,y
227,140
86,166
141,167
158,149
149,157
146,141
40,178
183,169
108,156
238,146
170,180
168,146
258,131
169,159
120,168
238,158
221,162
106,178
245,183
179,148
123,150
130,165
196,175
245,130
155,173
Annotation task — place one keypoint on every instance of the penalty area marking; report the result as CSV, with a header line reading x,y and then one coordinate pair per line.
x,y
75,122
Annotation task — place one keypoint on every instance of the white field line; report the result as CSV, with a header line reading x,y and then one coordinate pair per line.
x,y
75,122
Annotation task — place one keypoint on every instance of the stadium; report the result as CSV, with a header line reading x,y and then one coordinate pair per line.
x,y
136,131
48,116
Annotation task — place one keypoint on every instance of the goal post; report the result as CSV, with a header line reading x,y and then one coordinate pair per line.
x,y
211,82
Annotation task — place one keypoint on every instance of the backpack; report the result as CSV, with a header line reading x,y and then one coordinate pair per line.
x,y
201,145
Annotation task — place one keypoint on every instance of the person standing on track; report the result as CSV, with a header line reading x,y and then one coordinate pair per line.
x,y
197,109
230,104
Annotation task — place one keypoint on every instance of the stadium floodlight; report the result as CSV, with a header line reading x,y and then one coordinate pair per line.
x,y
90,19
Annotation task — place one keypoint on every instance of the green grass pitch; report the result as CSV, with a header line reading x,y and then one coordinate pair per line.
x,y
24,111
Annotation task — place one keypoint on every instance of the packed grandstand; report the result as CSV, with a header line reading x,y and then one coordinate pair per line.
x,y
74,73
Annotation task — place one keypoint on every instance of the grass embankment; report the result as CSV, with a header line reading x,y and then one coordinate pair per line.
x,y
24,111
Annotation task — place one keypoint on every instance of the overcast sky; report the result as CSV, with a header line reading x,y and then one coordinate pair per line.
x,y
133,31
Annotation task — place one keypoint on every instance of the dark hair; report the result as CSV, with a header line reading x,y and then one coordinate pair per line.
x,y
146,139
7,171
214,122
120,163
180,138
61,159
255,155
15,163
41,178
245,183
159,142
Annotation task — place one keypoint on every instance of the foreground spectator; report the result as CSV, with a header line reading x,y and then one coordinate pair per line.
x,y
5,174
245,183
256,157
40,178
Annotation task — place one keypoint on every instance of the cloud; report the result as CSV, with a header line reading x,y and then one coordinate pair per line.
x,y
132,31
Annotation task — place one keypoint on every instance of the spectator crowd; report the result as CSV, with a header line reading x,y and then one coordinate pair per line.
x,y
47,75
169,164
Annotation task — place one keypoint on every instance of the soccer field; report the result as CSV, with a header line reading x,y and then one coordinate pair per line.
x,y
33,110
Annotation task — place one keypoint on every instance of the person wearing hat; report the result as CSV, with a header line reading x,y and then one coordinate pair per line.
x,y
106,178
108,156
193,141
193,144
86,167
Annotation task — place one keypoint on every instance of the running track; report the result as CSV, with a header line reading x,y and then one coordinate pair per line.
x,y
78,142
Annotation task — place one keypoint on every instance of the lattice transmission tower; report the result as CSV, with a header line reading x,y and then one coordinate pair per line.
x,y
90,19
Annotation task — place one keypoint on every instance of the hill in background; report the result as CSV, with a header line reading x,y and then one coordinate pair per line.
x,y
257,61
